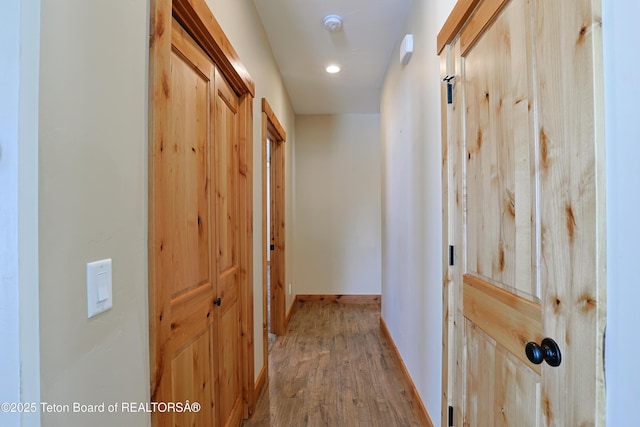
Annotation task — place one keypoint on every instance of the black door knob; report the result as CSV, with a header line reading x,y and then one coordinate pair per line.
x,y
547,351
217,301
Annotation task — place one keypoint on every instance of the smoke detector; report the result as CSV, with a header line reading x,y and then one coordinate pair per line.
x,y
332,22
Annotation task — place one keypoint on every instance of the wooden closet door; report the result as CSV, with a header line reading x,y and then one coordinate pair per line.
x,y
226,172
184,242
196,225
200,216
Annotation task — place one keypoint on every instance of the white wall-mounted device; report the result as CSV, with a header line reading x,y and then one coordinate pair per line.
x,y
406,49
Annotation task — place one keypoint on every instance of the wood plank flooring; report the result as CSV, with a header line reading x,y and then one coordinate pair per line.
x,y
334,368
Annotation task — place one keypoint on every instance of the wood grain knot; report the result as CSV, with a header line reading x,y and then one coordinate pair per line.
x,y
506,38
582,35
510,203
544,149
588,303
546,405
165,85
158,30
571,221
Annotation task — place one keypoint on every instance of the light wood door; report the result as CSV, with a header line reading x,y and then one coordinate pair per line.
x,y
183,230
227,217
277,282
524,212
273,193
196,237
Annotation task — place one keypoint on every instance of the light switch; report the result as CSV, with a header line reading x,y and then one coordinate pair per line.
x,y
103,286
99,290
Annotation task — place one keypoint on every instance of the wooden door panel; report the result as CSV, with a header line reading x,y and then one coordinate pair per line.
x,y
508,318
278,268
185,285
227,172
191,380
572,207
184,207
503,391
500,191
524,202
191,314
229,375
500,293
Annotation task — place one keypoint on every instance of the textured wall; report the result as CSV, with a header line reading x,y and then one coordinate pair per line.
x,y
93,205
622,90
337,240
411,203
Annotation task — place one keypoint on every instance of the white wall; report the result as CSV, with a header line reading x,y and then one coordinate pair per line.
x,y
93,205
622,127
411,203
19,318
28,163
240,22
9,313
337,241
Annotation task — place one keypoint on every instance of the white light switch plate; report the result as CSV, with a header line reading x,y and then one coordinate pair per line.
x,y
99,290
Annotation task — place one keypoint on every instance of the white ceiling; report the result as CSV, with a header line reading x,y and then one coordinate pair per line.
x,y
363,48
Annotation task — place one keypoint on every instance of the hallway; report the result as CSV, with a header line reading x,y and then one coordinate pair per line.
x,y
335,368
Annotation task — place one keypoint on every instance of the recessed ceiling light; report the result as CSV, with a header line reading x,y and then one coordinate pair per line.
x,y
332,69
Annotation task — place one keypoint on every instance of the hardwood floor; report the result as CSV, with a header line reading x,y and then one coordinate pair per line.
x,y
334,368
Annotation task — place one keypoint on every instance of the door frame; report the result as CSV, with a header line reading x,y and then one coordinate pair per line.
x,y
197,19
272,129
451,403
464,26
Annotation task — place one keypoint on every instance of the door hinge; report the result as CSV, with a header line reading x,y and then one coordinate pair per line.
x,y
450,424
448,80
451,253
